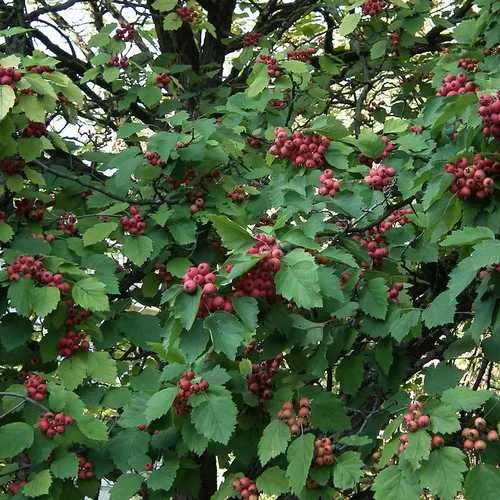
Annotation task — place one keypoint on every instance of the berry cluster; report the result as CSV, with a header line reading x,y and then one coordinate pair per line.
x,y
118,61
200,276
295,421
397,218
395,38
187,388
163,274
52,425
329,186
187,14
393,292
28,267
75,314
323,451
154,158
303,150
473,180
145,428
40,69
134,224
3,215
12,166
212,303
259,281
16,486
67,224
388,147
476,438
162,80
85,467
251,39
456,84
9,76
489,110
484,272
301,55
48,237
34,130
416,129
372,7
273,70
72,342
238,194
260,380
198,204
278,103
125,32
246,488
253,142
36,386
468,63
380,177
344,278
414,419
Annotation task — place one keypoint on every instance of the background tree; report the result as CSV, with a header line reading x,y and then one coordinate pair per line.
x,y
249,241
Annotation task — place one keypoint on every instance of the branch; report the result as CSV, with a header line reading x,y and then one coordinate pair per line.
x,y
26,399
50,9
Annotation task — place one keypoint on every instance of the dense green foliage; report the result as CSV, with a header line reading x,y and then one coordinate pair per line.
x,y
258,239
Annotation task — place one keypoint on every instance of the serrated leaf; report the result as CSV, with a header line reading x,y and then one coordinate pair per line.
x,y
441,377
172,22
258,80
38,485
329,414
417,449
444,419
101,367
349,24
7,100
234,237
298,280
128,129
348,470
193,439
19,294
247,310
401,327
92,428
90,293
370,144
137,248
468,236
72,371
442,474
15,438
215,418
349,373
44,299
164,5
14,331
441,311
272,482
299,456
463,398
160,403
396,483
373,298
187,306
126,486
97,233
482,483
274,441
227,332
65,467
338,255
378,49
164,477
6,232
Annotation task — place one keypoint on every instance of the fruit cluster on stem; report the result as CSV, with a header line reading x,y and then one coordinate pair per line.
x,y
14,487
489,110
251,39
395,38
145,428
323,451
186,389
30,209
487,270
36,386
200,276
468,63
296,421
34,129
456,84
134,224
54,424
393,292
278,103
38,68
118,61
9,76
414,419
162,273
187,14
162,80
254,142
85,467
260,380
303,150
301,55
12,166
67,224
273,70
329,186
379,177
372,7
154,158
125,32
246,488
237,195
259,281
476,437
473,180
72,342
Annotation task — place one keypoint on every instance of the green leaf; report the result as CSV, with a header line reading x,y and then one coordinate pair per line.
x,y
101,367
272,482
90,293
417,449
227,332
329,414
443,473
193,439
65,466
15,438
160,403
215,418
6,232
299,456
402,326
373,298
128,129
44,299
482,483
348,470
234,237
97,233
19,294
172,22
378,49
441,377
396,483
444,419
338,255
441,311
92,428
7,100
137,248
187,306
370,144
164,5
350,373
178,266
110,74
274,441
164,477
349,24
258,80
14,331
247,310
463,398
72,371
298,280
126,486
468,236
140,329
395,125
38,485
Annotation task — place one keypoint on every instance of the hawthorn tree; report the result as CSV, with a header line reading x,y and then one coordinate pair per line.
x,y
249,249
